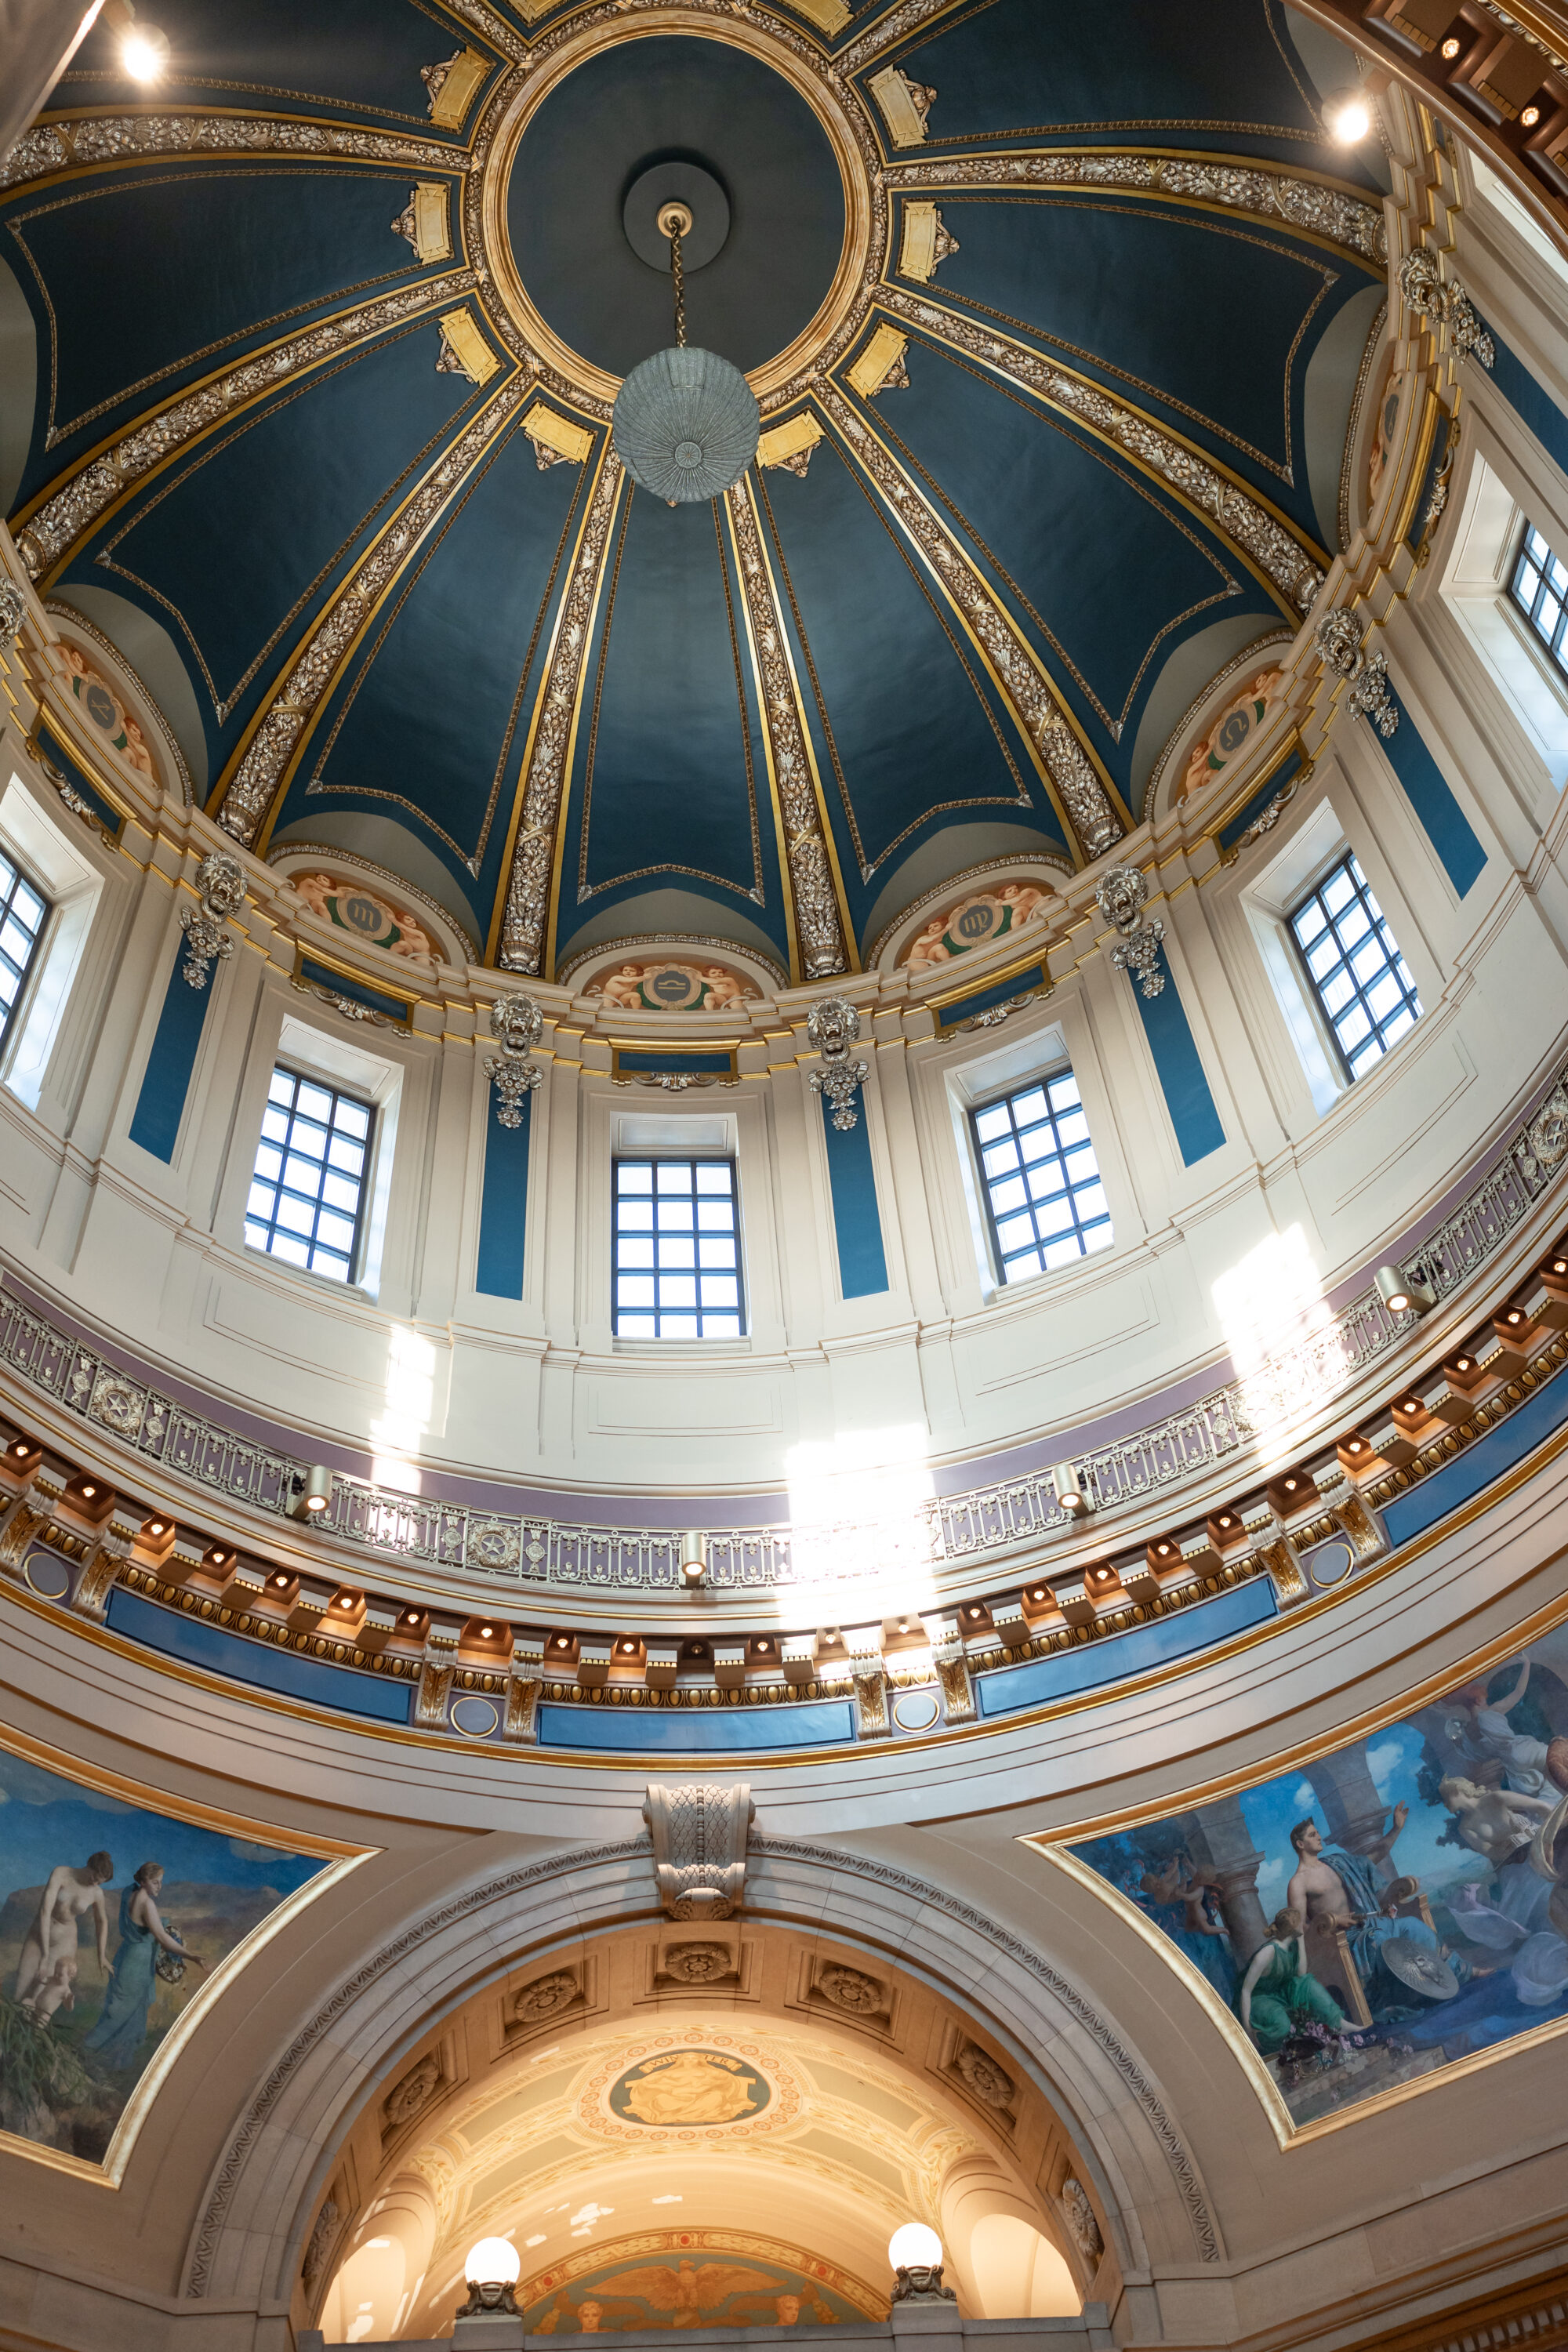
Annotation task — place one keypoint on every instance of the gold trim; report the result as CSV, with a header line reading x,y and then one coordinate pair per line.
x,y
793,438
754,40
544,426
937,1005
882,353
461,336
327,961
340,1858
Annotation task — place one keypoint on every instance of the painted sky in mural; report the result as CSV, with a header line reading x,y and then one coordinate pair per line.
x,y
112,1918
1388,1908
692,2279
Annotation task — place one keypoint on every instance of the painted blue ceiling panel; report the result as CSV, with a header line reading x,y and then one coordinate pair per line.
x,y
910,732
354,57
669,783
430,725
1114,572
1115,289
1206,73
174,551
141,282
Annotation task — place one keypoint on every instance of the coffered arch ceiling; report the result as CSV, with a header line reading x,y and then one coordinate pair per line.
x,y
424,618
740,2097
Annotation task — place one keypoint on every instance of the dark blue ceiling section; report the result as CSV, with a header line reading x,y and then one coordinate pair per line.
x,y
142,282
918,736
353,58
1207,323
661,100
172,550
669,785
1104,572
1174,73
429,723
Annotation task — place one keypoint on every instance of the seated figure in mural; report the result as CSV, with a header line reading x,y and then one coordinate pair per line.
x,y
121,2029
74,1892
1277,1997
1334,1889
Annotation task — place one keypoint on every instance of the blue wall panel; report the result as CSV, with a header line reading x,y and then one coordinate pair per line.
x,y
1533,406
167,1079
1182,1079
1109,1661
200,1643
503,1204
856,1220
1425,788
820,1723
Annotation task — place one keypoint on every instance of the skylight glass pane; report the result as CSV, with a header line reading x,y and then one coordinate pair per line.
x,y
674,1263
1041,1179
306,1195
1353,967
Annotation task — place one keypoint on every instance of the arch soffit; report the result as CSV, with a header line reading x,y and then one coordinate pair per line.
x,y
262,2192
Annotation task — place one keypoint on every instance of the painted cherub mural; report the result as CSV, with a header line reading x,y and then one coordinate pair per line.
x,y
1397,1905
98,1964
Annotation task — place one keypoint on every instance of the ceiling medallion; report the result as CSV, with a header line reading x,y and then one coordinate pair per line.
x,y
757,33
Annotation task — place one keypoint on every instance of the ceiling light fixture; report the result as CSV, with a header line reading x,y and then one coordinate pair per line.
x,y
491,2271
1351,122
143,50
1529,118
1450,48
686,422
1067,1487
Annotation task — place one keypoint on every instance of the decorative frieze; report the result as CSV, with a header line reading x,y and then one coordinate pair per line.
x,y
55,147
1267,195
50,534
310,674
544,777
1283,559
1444,300
1082,796
817,922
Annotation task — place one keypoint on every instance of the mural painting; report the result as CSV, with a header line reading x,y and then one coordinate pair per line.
x,y
693,2279
373,920
113,1917
1239,724
689,2086
976,921
1386,1910
672,988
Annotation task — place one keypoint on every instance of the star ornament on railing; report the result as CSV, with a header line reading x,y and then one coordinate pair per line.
x,y
1120,896
220,880
833,1027
516,1021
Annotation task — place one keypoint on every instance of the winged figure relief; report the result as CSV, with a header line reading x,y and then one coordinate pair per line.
x,y
689,2291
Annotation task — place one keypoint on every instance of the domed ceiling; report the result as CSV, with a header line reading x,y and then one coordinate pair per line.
x,y
1054,315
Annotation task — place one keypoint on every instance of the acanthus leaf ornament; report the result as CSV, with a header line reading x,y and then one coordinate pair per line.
x,y
832,1026
1424,288
220,879
1122,895
13,605
516,1021
1339,641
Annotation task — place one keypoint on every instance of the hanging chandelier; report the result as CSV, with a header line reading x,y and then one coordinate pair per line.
x,y
686,422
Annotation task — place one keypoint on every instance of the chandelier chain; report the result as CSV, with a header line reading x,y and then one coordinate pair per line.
x,y
680,274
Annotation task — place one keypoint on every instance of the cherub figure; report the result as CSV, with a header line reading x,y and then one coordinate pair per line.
x,y
1181,1881
56,1990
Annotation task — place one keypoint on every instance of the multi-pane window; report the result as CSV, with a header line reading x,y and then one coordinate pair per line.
x,y
23,915
1360,980
1539,589
1044,1198
677,1245
306,1195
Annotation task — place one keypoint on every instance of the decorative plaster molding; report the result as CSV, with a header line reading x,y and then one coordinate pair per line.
x,y
519,1025
1424,290
1338,637
699,1830
55,148
1121,897
220,881
832,1026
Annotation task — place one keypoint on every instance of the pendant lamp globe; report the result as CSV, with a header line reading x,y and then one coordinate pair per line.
x,y
686,422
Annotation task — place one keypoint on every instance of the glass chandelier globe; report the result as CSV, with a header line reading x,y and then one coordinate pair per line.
x,y
686,422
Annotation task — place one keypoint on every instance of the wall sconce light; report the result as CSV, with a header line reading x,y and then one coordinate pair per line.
x,y
693,1557
1401,1295
491,2273
1070,1491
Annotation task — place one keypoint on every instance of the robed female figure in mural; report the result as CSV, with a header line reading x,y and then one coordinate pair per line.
x,y
1277,1997
118,2036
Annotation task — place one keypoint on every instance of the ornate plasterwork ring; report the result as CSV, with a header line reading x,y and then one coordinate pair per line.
x,y
833,102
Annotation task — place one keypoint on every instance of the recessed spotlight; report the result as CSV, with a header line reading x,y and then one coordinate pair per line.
x,y
154,1527
280,1580
1559,1265
1354,1444
90,1491
485,1635
1531,117
1461,1363
973,1612
1411,1404
1513,1315
21,1447
763,1645
1450,49
1038,1593
563,1642
1225,1520
1289,1486
411,1616
1349,122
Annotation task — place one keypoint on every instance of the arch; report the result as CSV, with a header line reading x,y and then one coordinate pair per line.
x,y
262,2196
